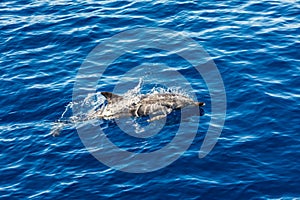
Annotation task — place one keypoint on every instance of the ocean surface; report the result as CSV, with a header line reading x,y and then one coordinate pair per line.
x,y
46,49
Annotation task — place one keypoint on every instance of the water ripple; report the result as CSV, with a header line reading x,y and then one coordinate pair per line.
x,y
255,46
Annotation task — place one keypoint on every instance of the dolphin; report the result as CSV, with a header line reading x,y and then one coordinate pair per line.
x,y
156,106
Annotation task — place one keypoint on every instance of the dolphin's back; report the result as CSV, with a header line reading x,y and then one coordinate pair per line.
x,y
163,103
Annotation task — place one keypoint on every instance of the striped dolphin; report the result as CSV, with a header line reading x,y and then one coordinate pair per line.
x,y
157,106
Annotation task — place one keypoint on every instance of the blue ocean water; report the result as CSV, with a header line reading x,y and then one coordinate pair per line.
x,y
255,46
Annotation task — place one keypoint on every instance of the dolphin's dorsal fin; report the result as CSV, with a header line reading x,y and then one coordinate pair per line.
x,y
110,97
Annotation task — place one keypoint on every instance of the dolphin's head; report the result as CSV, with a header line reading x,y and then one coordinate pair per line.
x,y
200,103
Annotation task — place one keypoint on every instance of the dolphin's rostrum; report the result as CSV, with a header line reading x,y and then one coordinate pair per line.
x,y
157,106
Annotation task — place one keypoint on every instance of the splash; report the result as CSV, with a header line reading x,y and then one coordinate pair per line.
x,y
86,109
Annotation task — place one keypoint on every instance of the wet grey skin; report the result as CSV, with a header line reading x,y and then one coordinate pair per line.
x,y
156,106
